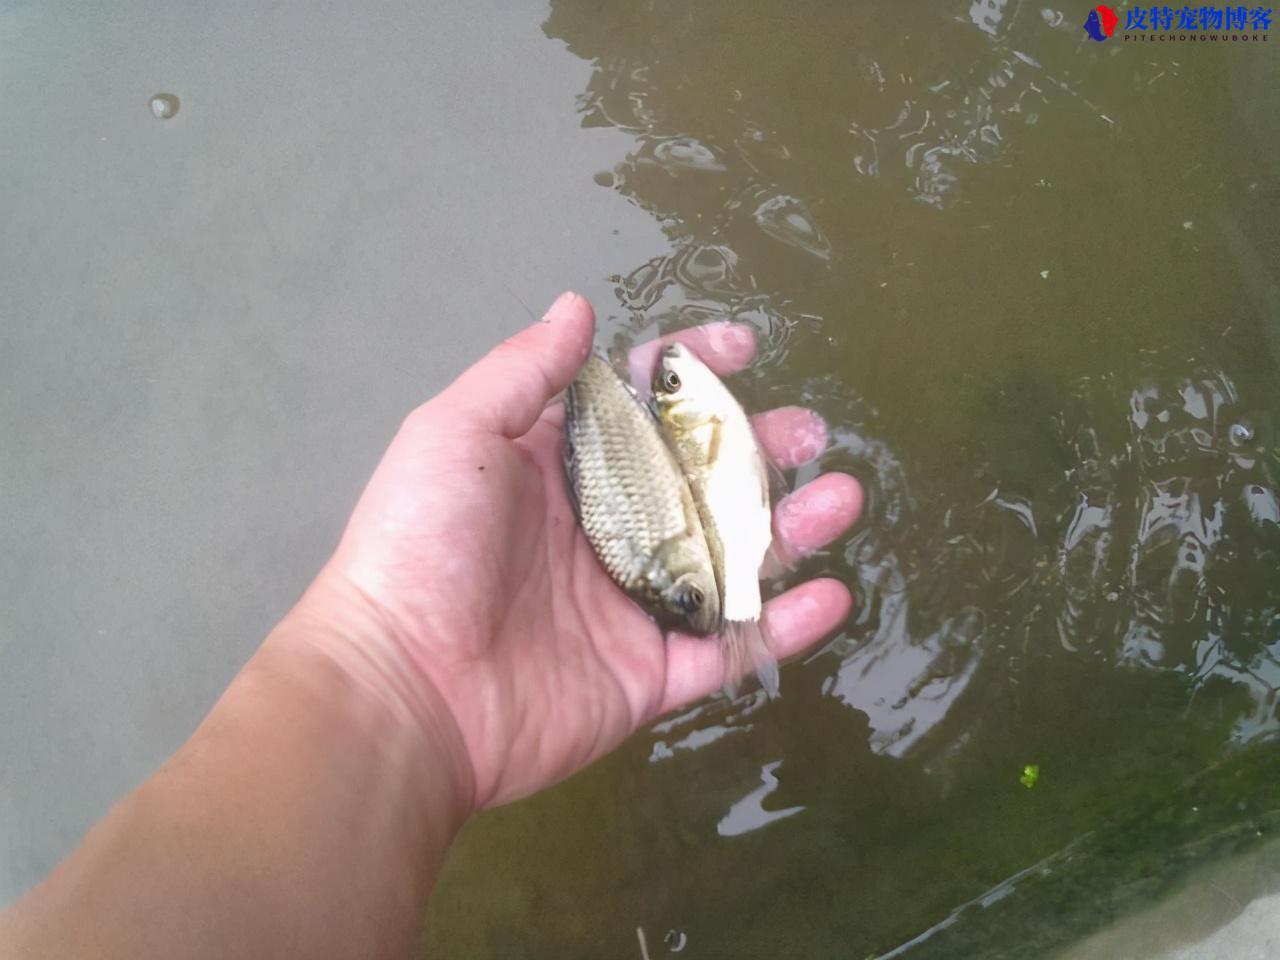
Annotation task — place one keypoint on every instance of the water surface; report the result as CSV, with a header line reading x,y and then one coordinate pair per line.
x,y
1030,282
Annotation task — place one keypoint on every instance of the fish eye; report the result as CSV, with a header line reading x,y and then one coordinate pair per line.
x,y
670,381
690,599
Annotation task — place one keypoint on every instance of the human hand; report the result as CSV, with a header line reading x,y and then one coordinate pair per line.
x,y
463,589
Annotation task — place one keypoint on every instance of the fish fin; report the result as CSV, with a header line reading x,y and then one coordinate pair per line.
x,y
713,446
729,688
569,458
775,565
745,649
776,479
648,404
651,405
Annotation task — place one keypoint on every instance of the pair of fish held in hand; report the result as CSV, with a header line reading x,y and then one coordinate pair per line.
x,y
674,499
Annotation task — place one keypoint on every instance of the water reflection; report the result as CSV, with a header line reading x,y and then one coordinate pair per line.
x,y
749,813
942,126
1170,548
1056,395
1125,555
787,220
906,683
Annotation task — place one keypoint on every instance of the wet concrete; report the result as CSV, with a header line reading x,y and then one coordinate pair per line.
x,y
210,326
1228,910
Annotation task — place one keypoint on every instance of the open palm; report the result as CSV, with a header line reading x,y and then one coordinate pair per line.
x,y
465,551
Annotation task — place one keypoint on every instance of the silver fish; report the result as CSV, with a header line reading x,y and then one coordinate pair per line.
x,y
634,504
717,450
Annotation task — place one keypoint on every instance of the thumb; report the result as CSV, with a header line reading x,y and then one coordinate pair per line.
x,y
506,391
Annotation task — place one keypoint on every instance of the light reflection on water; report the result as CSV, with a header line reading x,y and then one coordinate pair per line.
x,y
1030,297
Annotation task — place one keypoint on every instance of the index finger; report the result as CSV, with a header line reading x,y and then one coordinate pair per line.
x,y
724,346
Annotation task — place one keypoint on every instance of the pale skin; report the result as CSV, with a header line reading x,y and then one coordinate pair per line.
x,y
461,649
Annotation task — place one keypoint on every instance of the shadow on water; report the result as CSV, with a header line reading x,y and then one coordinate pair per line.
x,y
1028,279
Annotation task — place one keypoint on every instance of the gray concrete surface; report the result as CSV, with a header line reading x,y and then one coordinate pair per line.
x,y
1253,935
1224,910
211,325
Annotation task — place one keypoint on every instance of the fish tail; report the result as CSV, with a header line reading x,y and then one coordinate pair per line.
x,y
746,648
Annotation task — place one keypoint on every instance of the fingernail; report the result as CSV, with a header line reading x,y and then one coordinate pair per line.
x,y
741,342
736,336
810,439
565,301
561,307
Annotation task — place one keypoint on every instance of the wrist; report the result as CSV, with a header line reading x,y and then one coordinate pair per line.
x,y
308,815
334,635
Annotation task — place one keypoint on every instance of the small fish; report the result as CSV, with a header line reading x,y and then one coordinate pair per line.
x,y
634,504
713,441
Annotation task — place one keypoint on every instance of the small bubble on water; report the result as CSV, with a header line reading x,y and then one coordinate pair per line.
x,y
1241,433
164,105
686,152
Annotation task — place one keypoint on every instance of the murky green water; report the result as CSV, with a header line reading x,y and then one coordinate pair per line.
x,y
1030,281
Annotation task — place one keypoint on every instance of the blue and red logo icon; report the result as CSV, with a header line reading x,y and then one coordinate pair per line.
x,y
1166,23
1101,23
